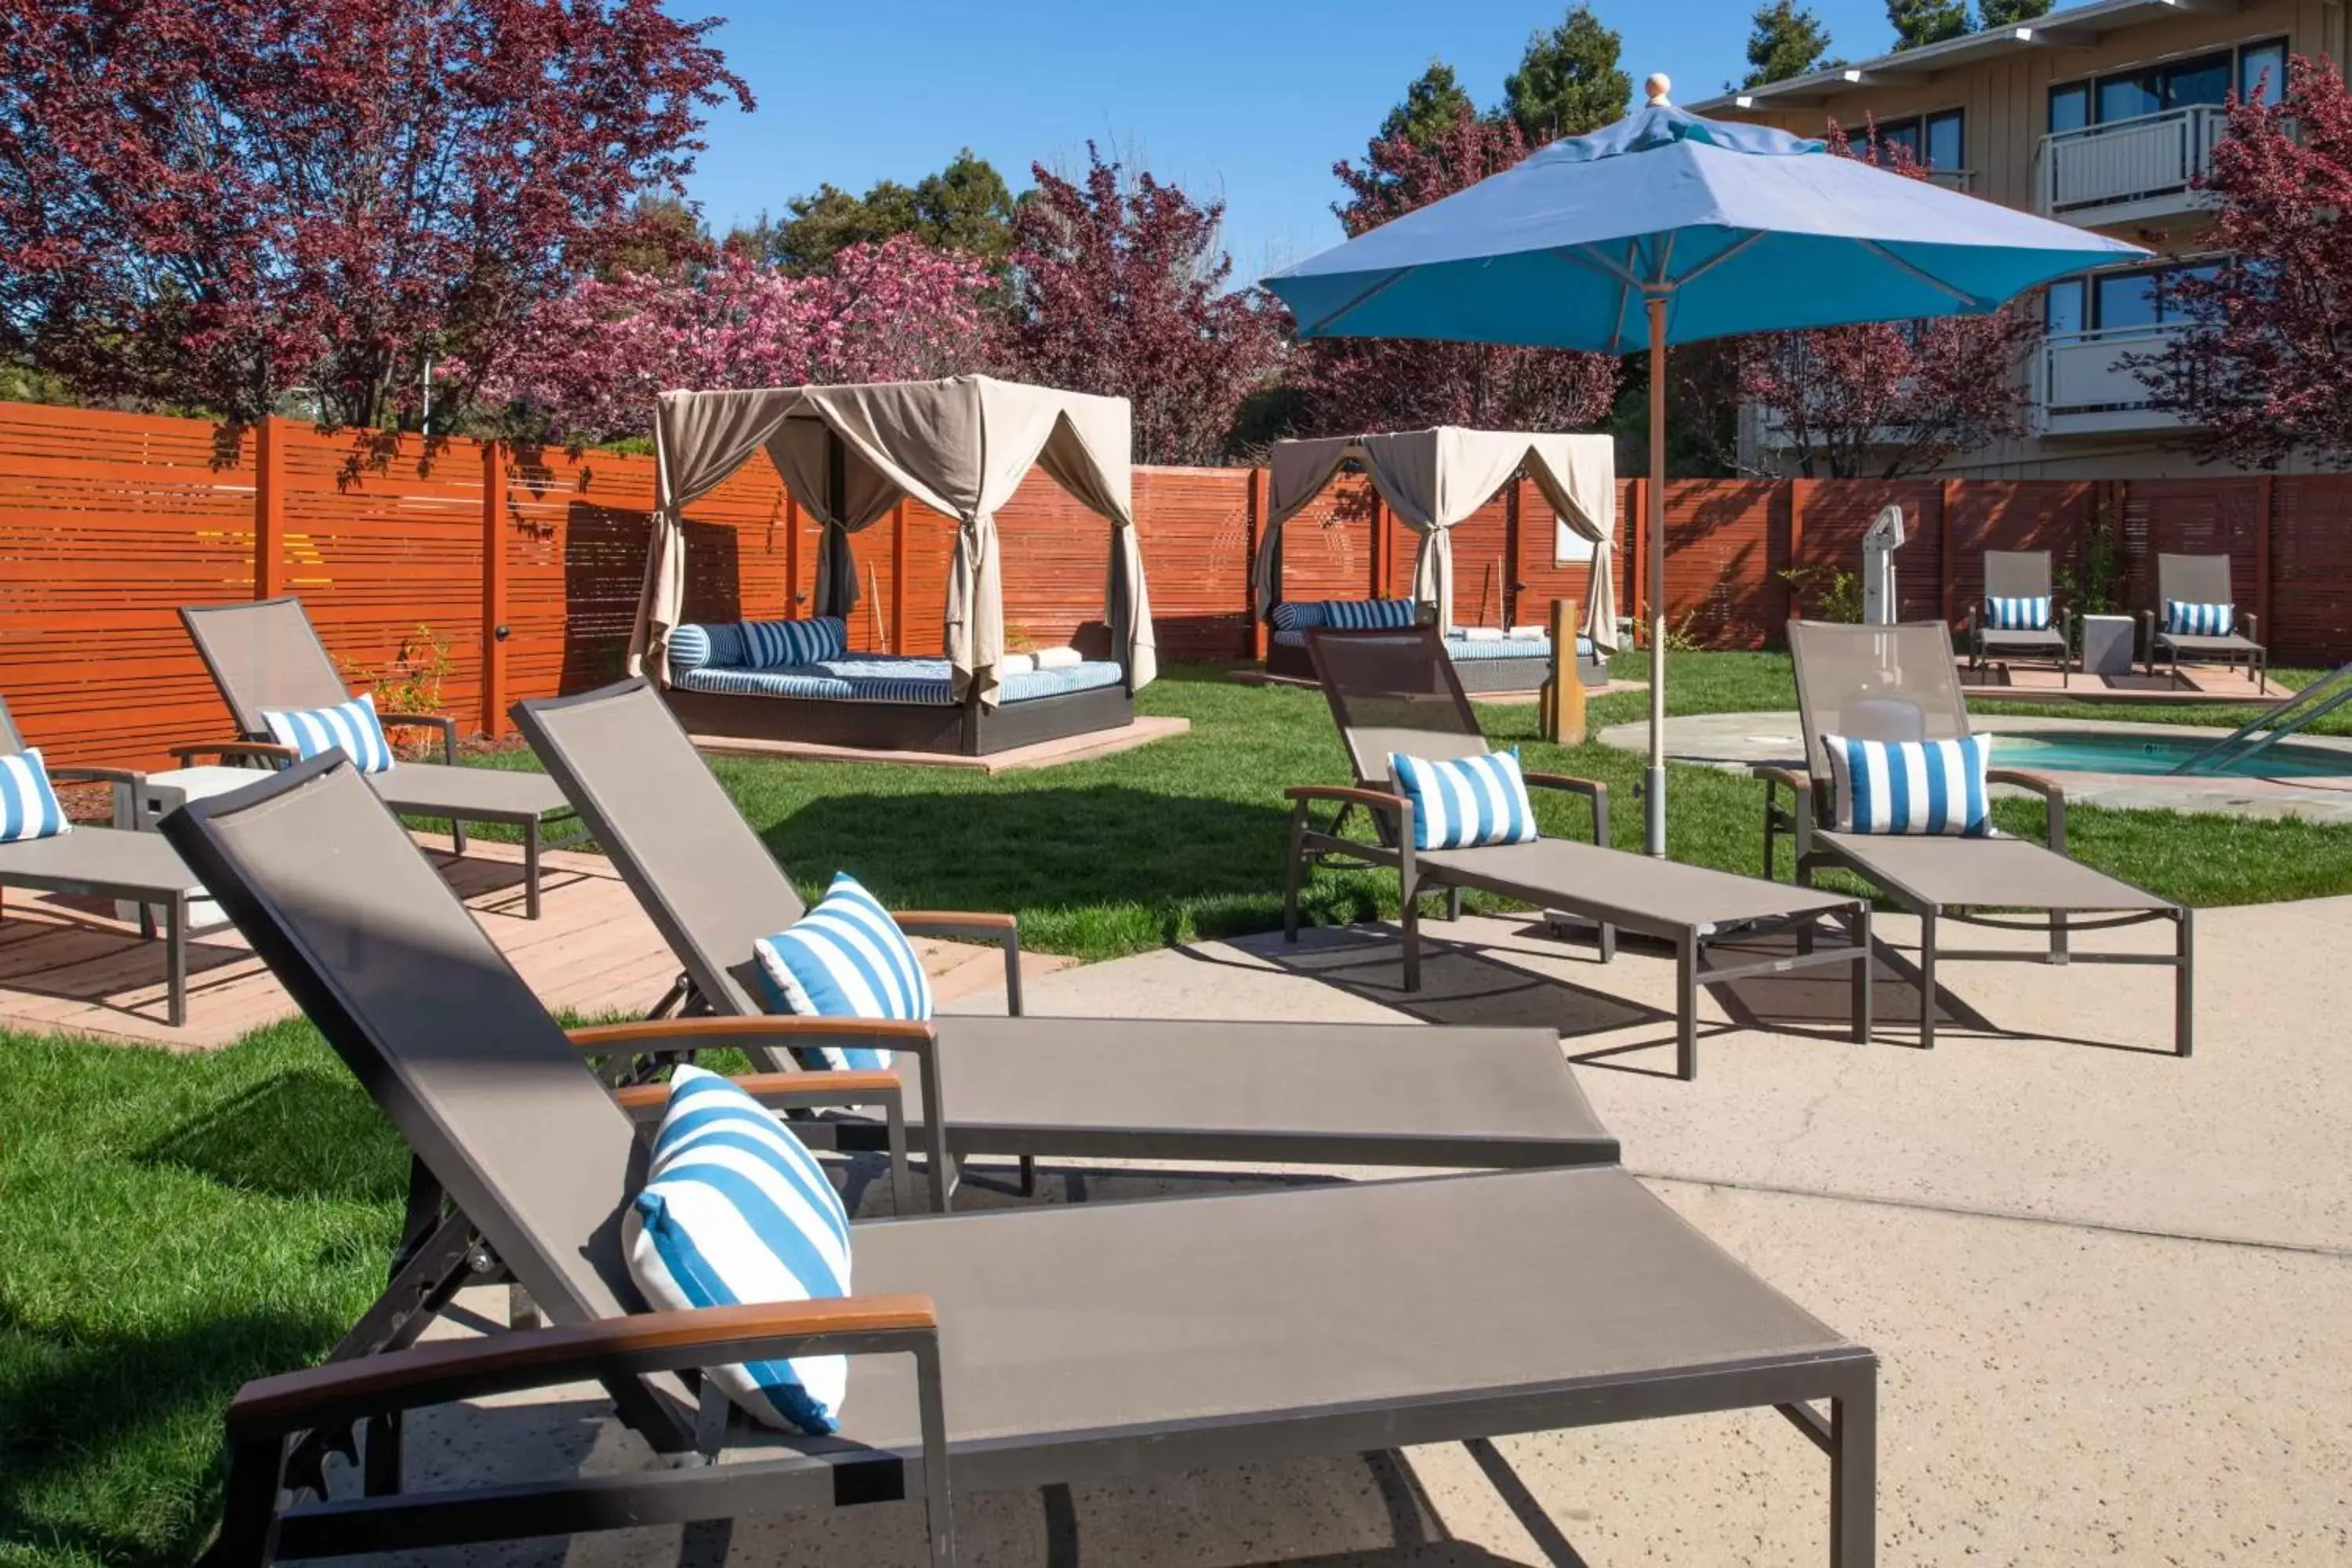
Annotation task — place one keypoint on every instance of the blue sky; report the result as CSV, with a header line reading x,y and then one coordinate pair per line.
x,y
1252,102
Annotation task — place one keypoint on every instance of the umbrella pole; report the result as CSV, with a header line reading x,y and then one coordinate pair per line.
x,y
1654,794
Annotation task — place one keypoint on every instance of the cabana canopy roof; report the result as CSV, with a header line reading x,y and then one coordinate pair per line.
x,y
1434,478
848,454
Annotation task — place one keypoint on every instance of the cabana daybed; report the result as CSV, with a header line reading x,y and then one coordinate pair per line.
x,y
1433,479
847,455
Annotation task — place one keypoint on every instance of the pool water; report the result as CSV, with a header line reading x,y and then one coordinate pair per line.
x,y
2082,751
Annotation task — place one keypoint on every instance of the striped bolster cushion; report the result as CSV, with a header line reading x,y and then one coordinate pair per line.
x,y
776,645
1298,617
846,958
1367,614
736,1210
2183,619
689,649
1911,786
28,806
352,726
1462,802
2018,614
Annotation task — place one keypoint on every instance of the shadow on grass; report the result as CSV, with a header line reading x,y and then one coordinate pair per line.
x,y
300,1134
75,1394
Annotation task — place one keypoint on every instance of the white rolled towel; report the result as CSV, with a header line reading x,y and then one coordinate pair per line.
x,y
1481,634
1529,634
1058,657
1017,664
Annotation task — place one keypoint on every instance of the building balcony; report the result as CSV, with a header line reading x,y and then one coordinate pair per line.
x,y
2129,171
2081,388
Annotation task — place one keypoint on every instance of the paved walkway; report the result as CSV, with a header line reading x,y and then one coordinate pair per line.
x,y
1734,741
2111,1289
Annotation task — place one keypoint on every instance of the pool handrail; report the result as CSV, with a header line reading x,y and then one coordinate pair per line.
x,y
2275,719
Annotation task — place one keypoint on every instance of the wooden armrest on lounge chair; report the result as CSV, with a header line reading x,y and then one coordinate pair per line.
x,y
685,1036
1592,790
448,1370
2053,793
130,776
1799,823
798,1091
446,725
958,925
1352,794
269,751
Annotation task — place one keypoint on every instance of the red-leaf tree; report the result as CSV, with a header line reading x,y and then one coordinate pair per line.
x,y
1121,291
1399,384
2265,367
1886,398
589,364
209,201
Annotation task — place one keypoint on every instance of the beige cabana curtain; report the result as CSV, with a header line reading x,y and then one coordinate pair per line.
x,y
1434,478
959,445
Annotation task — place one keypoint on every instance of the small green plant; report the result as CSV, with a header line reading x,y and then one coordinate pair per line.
x,y
1680,638
411,681
2092,583
1826,593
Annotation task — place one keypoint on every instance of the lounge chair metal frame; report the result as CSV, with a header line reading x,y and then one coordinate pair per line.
x,y
1029,1087
2020,574
1919,656
308,679
1443,724
2202,580
483,1085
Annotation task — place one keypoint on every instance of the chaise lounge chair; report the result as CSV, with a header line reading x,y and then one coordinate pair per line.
x,y
1396,691
2018,614
2197,582
1897,684
1010,1350
265,656
1077,1088
108,863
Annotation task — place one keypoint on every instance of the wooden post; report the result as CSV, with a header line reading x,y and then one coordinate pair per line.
x,y
494,589
1559,706
268,509
1511,554
1255,527
792,555
898,578
1797,489
2266,497
1379,547
1946,548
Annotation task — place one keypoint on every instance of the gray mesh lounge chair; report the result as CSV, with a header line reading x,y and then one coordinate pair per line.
x,y
1181,1334
264,655
1897,683
108,863
1397,692
2202,580
1078,1087
2019,574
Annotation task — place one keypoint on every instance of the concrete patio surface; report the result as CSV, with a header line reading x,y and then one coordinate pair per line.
x,y
2111,1289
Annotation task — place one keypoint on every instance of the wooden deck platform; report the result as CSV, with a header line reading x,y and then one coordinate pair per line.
x,y
1043,754
68,966
2200,685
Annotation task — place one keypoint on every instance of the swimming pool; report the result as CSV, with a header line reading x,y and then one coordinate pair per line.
x,y
2088,752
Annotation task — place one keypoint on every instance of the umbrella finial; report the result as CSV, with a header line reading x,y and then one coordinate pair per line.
x,y
1657,87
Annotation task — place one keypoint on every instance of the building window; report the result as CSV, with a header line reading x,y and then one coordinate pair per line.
x,y
2253,70
1934,142
2119,301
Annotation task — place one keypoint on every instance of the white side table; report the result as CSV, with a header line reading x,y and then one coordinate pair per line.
x,y
168,791
2107,645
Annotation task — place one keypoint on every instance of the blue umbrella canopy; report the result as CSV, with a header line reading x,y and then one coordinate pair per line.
x,y
1666,228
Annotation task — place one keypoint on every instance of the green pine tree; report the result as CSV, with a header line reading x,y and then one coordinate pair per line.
x,y
2010,12
1431,105
1569,81
1785,42
1919,22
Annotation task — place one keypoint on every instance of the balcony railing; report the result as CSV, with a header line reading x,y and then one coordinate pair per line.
x,y
2129,170
2081,388
1961,180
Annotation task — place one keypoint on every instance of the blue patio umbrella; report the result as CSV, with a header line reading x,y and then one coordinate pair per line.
x,y
1677,229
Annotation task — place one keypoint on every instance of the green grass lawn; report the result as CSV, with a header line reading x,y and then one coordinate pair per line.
x,y
177,1224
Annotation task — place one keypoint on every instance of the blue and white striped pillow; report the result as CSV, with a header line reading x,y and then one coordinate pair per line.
x,y
1367,614
2018,615
28,806
1298,617
2183,618
846,958
1911,786
736,1210
776,645
689,649
352,726
1464,802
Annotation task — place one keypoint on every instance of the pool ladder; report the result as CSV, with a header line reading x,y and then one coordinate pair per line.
x,y
2274,724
